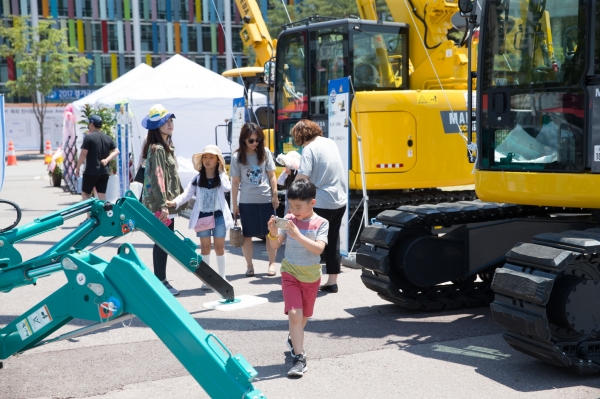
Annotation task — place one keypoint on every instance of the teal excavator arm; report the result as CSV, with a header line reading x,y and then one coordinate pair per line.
x,y
107,292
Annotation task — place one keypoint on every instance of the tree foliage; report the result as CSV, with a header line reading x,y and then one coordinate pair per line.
x,y
44,61
309,8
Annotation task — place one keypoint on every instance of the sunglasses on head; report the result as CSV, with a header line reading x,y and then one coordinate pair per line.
x,y
252,141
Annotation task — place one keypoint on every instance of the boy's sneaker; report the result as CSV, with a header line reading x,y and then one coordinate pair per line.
x,y
290,345
299,367
172,290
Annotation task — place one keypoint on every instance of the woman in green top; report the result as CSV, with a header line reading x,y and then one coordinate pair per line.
x,y
161,181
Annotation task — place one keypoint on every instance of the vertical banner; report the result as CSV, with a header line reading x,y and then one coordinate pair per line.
x,y
237,122
339,131
2,141
123,131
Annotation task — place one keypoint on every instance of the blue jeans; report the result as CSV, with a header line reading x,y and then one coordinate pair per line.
x,y
219,231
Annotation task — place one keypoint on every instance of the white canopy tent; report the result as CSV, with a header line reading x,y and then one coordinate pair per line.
x,y
200,99
131,77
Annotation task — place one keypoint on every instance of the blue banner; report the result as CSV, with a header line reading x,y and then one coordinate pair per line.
x,y
67,95
339,131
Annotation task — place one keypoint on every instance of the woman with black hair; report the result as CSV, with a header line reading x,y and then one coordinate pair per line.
x,y
253,177
161,181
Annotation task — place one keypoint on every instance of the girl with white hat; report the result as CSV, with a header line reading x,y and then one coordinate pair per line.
x,y
210,216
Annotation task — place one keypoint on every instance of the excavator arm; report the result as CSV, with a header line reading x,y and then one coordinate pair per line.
x,y
108,292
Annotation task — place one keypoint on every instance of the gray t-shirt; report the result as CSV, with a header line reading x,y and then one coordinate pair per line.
x,y
322,163
255,187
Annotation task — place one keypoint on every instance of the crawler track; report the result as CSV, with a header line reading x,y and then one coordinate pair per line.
x,y
406,262
548,299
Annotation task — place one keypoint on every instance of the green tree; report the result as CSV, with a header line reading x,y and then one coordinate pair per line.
x,y
44,60
309,8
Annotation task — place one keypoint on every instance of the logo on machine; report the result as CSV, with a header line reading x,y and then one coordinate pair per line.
x,y
455,122
332,96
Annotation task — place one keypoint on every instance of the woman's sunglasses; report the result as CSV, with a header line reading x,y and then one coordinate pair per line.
x,y
252,141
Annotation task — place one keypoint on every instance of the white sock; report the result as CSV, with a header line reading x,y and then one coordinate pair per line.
x,y
221,266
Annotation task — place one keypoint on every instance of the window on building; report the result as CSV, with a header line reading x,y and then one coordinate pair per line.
x,y
146,39
192,39
106,69
161,8
97,37
113,44
236,40
206,39
221,65
3,70
63,8
87,8
129,64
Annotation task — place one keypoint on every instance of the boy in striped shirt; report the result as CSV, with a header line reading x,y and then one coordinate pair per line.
x,y
305,237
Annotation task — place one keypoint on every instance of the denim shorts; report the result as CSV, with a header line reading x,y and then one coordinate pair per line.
x,y
219,230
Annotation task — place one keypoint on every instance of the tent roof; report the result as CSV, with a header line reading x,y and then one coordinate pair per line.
x,y
178,78
129,78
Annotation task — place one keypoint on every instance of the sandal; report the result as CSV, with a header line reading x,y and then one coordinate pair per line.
x,y
250,273
272,272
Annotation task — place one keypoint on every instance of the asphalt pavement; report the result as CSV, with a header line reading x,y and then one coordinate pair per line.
x,y
358,345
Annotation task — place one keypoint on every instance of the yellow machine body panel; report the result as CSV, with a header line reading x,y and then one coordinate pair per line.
x,y
570,190
410,139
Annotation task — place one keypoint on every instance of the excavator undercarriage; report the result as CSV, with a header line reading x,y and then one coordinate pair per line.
x,y
443,256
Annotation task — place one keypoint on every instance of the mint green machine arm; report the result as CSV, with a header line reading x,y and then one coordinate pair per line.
x,y
106,220
102,292
108,292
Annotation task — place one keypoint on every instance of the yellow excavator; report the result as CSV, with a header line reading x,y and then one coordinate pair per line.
x,y
408,105
534,242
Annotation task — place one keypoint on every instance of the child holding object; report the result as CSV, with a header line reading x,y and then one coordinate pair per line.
x,y
305,236
210,216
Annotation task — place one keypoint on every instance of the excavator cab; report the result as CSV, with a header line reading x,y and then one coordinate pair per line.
x,y
535,74
312,52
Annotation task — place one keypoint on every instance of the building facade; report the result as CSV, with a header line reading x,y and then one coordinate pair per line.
x,y
102,30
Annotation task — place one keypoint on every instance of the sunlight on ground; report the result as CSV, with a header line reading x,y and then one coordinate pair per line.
x,y
473,351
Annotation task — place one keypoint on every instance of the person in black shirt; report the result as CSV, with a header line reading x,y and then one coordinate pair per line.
x,y
97,150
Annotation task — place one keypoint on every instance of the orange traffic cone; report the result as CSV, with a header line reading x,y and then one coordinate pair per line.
x,y
48,153
11,156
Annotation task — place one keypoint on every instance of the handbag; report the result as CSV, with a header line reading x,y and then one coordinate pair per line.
x,y
236,239
139,176
205,223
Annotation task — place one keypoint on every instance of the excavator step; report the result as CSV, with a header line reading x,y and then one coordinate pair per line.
x,y
533,287
540,256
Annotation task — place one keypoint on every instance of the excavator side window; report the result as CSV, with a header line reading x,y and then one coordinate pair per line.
x,y
379,58
328,54
291,77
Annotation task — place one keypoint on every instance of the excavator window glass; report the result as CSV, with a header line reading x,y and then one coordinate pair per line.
x,y
531,75
378,58
328,50
291,94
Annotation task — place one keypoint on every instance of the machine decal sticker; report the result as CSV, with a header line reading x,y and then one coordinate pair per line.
x,y
389,165
39,318
597,153
24,329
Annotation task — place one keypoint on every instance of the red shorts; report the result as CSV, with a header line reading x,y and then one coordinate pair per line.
x,y
299,295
